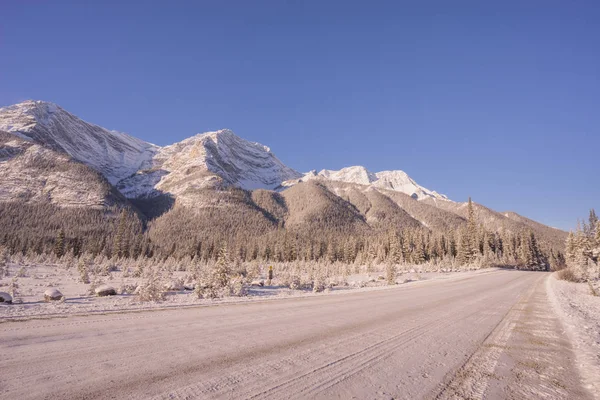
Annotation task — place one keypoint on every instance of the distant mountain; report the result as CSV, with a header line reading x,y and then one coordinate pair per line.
x,y
214,182
393,180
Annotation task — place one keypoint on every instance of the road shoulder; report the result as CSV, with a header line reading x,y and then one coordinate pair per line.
x,y
528,355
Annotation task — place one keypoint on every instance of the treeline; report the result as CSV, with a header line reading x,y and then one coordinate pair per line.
x,y
583,251
184,235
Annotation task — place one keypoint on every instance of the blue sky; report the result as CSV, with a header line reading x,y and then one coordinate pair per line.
x,y
496,100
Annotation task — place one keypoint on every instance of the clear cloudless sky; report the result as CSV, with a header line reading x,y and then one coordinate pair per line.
x,y
498,100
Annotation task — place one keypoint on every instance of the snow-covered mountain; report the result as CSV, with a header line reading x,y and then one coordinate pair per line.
x,y
213,159
210,159
114,154
50,157
141,169
392,180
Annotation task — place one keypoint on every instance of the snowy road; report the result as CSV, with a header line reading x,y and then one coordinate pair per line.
x,y
488,335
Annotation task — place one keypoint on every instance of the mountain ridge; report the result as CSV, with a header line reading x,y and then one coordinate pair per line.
x,y
205,170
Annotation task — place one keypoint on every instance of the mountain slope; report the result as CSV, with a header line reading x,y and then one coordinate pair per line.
x,y
115,155
31,173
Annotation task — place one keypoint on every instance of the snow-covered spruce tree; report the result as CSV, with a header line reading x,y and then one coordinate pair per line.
x,y
151,288
469,244
221,270
218,281
583,254
390,273
82,268
319,278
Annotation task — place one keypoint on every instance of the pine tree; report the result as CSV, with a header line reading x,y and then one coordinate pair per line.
x,y
536,255
59,246
221,271
395,250
526,255
472,232
469,244
391,272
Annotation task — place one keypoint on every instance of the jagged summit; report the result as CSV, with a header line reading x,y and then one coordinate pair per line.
x,y
211,159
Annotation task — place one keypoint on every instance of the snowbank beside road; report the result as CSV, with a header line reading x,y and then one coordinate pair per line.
x,y
580,311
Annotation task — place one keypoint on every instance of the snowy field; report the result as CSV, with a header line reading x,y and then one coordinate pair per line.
x,y
34,280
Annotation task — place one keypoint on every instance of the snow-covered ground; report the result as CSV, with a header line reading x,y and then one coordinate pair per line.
x,y
34,280
579,309
485,334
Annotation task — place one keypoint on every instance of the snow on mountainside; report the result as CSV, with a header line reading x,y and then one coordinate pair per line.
x,y
207,160
31,173
113,154
213,159
392,180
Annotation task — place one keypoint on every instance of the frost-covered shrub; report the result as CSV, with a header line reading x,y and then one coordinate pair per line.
x,y
107,268
151,289
295,282
126,288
